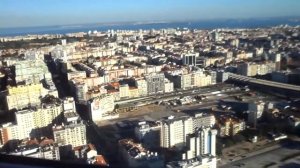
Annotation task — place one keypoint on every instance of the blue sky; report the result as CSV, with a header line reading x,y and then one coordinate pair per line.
x,y
19,13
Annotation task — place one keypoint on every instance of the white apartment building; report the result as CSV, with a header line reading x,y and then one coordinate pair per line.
x,y
253,69
199,162
187,80
255,110
48,113
28,121
174,131
69,104
203,120
142,86
124,91
202,142
73,134
155,83
25,121
100,106
169,86
32,71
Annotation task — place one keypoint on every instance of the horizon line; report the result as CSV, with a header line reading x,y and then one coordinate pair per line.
x,y
113,23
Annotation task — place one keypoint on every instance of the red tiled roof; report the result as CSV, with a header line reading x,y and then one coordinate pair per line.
x,y
100,160
31,142
91,146
115,84
46,141
77,148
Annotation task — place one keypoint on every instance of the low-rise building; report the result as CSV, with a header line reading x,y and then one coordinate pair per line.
x,y
199,162
147,133
134,155
229,126
124,108
45,149
85,152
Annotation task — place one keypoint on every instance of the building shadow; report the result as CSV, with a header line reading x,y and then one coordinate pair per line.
x,y
290,165
290,144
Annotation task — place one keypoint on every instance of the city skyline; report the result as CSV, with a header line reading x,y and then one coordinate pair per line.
x,y
150,83
118,98
48,13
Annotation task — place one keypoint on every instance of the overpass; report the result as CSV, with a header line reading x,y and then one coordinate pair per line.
x,y
250,80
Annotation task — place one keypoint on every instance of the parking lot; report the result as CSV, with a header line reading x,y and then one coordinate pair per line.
x,y
123,126
161,109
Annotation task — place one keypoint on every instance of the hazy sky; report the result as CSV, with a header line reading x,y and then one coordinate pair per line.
x,y
18,13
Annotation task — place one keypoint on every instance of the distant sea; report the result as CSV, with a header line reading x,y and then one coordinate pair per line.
x,y
205,24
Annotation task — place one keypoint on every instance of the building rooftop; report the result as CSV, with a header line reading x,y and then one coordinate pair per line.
x,y
136,150
147,124
195,162
171,119
70,114
63,127
100,160
29,146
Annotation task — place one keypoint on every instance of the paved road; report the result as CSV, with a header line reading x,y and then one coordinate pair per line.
x,y
266,156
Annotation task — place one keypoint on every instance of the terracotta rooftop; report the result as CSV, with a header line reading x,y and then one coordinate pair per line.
x,y
77,148
100,160
91,146
46,141
115,84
